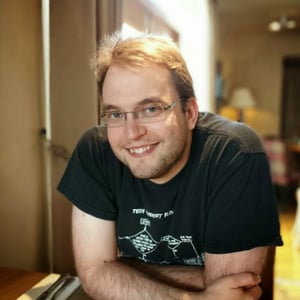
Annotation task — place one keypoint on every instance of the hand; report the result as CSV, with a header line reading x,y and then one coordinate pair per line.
x,y
243,286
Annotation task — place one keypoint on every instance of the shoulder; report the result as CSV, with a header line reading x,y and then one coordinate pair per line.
x,y
221,130
94,134
93,146
93,139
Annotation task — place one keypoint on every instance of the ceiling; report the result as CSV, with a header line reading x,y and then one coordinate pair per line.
x,y
253,15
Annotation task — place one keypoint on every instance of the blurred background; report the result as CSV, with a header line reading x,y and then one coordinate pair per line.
x,y
244,57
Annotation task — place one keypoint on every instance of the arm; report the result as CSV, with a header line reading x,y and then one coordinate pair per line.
x,y
220,265
181,276
103,276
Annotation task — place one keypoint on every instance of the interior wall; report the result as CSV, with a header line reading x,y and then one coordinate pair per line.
x,y
133,13
255,61
22,210
193,22
73,97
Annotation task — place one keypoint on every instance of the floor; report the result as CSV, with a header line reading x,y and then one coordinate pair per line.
x,y
287,261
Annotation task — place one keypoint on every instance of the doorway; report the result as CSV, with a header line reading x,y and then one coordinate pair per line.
x,y
290,103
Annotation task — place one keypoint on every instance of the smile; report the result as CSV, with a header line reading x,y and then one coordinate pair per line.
x,y
140,150
143,150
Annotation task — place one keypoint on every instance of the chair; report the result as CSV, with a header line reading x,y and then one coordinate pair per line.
x,y
284,178
285,182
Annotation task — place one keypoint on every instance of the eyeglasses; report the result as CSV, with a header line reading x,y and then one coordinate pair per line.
x,y
146,114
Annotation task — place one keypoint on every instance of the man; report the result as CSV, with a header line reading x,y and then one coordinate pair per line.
x,y
168,203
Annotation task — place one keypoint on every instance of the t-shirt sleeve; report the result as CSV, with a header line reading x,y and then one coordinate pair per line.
x,y
242,210
85,180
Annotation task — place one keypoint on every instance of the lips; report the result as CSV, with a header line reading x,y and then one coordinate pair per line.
x,y
141,150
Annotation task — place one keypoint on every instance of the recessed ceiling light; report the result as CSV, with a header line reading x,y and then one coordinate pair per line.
x,y
281,23
291,24
274,26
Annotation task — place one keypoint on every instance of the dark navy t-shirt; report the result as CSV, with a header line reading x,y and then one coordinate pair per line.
x,y
221,201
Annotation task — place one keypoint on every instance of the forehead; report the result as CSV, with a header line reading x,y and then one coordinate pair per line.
x,y
124,85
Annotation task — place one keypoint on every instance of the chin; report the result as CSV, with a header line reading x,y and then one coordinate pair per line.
x,y
140,175
147,174
142,170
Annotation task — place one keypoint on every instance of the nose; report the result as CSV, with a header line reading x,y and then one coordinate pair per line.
x,y
133,128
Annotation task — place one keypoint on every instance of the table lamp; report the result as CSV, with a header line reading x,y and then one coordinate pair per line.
x,y
241,99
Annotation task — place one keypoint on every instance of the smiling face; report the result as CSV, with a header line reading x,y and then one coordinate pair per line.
x,y
157,150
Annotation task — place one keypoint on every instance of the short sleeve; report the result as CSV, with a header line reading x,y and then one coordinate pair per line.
x,y
85,181
242,210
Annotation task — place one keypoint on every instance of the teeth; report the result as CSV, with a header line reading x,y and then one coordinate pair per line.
x,y
139,150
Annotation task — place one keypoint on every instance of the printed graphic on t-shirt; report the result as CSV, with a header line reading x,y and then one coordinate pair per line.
x,y
165,250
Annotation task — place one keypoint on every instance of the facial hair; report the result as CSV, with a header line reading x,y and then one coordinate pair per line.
x,y
171,154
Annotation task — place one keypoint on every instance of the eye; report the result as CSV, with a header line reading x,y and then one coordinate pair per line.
x,y
152,110
114,115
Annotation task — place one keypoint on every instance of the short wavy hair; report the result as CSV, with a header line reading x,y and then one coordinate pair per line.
x,y
142,51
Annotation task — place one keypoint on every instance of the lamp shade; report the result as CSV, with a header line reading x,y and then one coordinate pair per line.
x,y
242,98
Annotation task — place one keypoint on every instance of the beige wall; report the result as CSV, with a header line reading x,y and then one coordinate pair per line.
x,y
73,97
255,60
22,210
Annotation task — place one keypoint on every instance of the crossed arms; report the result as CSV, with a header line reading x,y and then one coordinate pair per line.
x,y
105,276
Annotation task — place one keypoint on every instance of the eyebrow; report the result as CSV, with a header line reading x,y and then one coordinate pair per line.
x,y
151,100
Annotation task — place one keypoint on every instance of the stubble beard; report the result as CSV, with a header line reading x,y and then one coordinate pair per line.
x,y
163,164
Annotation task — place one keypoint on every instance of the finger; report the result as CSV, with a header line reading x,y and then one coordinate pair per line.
x,y
244,280
255,292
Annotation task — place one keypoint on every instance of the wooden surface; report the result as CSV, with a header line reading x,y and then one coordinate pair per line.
x,y
13,283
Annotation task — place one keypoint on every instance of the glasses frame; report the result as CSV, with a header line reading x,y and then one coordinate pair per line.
x,y
137,113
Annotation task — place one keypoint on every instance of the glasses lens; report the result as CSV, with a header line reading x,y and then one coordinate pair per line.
x,y
151,113
147,114
113,119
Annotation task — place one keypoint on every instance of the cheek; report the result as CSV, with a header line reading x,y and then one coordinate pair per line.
x,y
114,138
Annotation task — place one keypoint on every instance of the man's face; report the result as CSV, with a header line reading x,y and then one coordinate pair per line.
x,y
156,150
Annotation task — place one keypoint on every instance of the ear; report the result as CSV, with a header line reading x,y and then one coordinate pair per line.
x,y
191,112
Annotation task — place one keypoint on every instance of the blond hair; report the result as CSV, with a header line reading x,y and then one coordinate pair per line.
x,y
142,51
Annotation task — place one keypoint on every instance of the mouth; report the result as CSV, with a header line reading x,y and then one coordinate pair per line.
x,y
141,151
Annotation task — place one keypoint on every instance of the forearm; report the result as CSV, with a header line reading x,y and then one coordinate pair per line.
x,y
220,265
184,277
116,280
119,280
